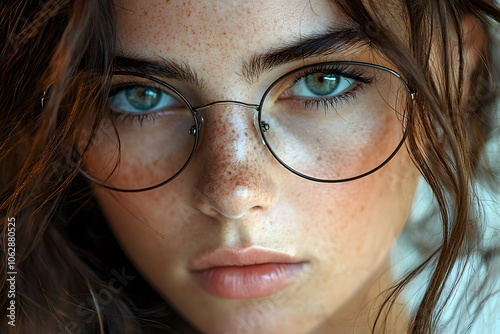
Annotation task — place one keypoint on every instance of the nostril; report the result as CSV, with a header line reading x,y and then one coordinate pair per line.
x,y
225,204
233,197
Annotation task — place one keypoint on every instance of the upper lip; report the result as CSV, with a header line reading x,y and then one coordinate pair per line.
x,y
224,257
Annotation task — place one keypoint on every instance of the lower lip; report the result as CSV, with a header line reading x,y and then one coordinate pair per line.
x,y
245,282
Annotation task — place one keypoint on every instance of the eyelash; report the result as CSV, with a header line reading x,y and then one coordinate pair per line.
x,y
325,103
130,119
334,101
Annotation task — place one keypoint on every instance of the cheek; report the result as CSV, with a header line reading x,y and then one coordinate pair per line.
x,y
355,224
132,154
348,219
152,227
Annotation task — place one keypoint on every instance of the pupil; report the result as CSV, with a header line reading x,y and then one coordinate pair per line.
x,y
321,84
143,98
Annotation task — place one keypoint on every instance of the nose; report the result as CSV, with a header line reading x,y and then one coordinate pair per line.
x,y
234,168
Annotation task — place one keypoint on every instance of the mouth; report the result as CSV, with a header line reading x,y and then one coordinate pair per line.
x,y
245,273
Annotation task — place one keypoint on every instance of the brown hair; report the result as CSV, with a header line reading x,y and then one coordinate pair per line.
x,y
446,137
68,46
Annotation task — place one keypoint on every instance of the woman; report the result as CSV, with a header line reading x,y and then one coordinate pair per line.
x,y
255,161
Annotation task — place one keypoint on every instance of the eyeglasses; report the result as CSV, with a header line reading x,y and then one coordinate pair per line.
x,y
326,122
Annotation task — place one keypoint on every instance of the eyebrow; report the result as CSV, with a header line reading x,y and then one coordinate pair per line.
x,y
334,41
162,67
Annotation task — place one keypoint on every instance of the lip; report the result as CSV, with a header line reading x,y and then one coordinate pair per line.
x,y
254,272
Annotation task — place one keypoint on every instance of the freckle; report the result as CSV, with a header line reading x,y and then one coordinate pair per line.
x,y
246,134
319,158
330,212
145,13
361,208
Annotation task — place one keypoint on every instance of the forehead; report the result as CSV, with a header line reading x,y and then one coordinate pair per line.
x,y
227,30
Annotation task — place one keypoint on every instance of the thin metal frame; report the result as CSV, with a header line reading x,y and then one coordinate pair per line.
x,y
198,121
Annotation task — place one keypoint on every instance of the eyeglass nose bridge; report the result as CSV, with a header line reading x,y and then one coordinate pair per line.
x,y
262,127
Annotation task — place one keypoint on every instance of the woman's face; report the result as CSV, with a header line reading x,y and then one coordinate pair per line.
x,y
237,243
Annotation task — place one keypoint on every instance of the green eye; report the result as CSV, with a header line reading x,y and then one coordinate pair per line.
x,y
322,84
143,98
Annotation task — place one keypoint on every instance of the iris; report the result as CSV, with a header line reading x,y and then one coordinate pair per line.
x,y
321,84
143,98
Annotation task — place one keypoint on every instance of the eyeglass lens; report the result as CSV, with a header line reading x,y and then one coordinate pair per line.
x,y
329,121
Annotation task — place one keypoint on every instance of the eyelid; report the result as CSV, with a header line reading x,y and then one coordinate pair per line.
x,y
125,78
169,101
343,70
125,84
348,70
180,89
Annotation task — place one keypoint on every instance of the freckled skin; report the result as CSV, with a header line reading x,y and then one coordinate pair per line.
x,y
234,193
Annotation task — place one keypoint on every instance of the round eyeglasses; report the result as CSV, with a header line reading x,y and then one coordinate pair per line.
x,y
326,122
